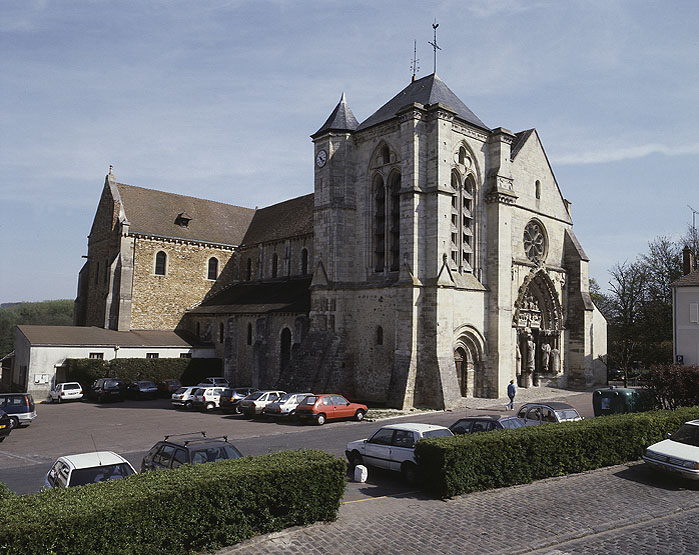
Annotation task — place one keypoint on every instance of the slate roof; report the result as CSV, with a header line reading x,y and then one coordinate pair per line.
x,y
520,139
341,119
291,295
427,91
154,212
94,336
290,218
690,280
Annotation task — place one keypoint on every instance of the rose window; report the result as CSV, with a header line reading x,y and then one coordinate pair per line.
x,y
534,241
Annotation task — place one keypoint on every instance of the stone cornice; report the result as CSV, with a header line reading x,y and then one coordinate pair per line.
x,y
469,131
180,241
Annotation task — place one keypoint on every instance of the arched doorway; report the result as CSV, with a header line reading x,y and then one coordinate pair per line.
x,y
538,317
468,359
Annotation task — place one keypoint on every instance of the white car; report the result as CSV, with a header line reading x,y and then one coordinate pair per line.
x,y
393,447
184,397
87,468
67,391
679,453
254,403
285,406
214,381
207,398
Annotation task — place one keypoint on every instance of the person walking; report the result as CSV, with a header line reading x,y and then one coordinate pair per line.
x,y
511,392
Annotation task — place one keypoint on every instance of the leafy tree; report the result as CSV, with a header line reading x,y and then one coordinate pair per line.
x,y
45,313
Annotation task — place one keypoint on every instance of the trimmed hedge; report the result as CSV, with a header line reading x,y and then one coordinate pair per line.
x,y
185,510
454,465
189,371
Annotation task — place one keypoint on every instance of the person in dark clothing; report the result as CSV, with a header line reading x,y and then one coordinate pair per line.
x,y
511,391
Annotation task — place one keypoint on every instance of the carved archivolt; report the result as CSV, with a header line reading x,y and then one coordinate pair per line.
x,y
538,305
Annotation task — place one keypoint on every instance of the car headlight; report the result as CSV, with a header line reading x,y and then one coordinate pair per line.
x,y
691,464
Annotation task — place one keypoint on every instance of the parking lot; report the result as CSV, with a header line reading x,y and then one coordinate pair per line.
x,y
131,427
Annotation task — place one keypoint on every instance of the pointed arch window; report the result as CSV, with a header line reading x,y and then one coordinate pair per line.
x,y
462,228
304,262
160,263
212,272
394,225
379,224
275,265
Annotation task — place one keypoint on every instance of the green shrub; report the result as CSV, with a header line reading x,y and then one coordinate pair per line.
x,y
454,465
185,510
189,371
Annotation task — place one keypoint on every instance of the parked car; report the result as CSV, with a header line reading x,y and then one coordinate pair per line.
x,y
68,391
214,381
184,397
322,408
393,447
142,389
679,453
231,397
207,398
87,468
19,407
167,387
175,451
108,389
485,423
543,413
5,426
254,403
285,406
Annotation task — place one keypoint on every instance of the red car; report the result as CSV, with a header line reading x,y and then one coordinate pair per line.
x,y
329,406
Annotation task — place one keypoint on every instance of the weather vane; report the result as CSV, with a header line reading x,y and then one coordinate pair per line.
x,y
414,65
434,45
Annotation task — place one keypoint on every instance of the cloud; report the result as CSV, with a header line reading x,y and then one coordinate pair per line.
x,y
603,156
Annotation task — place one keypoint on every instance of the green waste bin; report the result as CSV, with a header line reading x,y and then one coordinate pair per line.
x,y
619,400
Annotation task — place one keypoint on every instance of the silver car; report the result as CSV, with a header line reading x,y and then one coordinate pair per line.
x,y
184,397
254,403
285,406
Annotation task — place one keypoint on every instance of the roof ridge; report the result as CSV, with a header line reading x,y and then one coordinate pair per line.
x,y
183,196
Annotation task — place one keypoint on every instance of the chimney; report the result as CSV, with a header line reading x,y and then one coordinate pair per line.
x,y
687,260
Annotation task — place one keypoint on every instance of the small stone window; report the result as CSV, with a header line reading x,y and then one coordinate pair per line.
x,y
220,332
537,189
160,263
248,271
213,268
385,155
379,335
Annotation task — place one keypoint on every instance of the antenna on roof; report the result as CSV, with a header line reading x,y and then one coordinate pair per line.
x,y
414,65
434,45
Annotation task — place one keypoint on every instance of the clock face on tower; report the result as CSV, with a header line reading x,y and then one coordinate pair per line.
x,y
321,158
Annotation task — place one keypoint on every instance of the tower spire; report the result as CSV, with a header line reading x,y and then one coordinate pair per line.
x,y
434,44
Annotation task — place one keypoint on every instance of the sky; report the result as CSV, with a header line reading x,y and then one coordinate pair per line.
x,y
217,98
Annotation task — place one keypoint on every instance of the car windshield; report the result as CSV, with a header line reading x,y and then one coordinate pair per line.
x,y
512,423
687,434
437,433
82,476
310,400
567,414
216,453
111,383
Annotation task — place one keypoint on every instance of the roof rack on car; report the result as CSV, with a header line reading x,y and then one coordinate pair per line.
x,y
188,441
185,434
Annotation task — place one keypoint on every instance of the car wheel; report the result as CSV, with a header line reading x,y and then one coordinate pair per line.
x,y
237,410
409,471
359,416
356,458
188,405
14,422
321,419
209,406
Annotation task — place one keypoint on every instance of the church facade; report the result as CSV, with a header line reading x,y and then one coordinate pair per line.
x,y
435,261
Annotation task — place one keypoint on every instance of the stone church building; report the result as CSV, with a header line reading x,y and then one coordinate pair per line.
x,y
434,261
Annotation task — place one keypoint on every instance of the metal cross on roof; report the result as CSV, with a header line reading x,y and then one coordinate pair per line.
x,y
434,45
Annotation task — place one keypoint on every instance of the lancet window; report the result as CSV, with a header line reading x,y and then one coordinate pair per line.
x,y
462,224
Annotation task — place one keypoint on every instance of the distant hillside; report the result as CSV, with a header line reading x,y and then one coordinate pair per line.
x,y
44,313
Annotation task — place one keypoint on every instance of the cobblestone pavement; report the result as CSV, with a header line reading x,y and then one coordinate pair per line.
x,y
618,510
